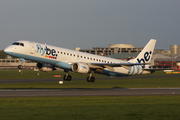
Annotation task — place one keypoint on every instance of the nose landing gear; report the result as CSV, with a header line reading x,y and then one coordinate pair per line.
x,y
20,67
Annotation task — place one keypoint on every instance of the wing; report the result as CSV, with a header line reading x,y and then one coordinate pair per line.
x,y
111,65
116,64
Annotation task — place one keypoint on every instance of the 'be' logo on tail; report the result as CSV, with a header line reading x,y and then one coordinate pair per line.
x,y
147,56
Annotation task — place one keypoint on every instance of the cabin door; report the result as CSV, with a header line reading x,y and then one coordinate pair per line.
x,y
32,48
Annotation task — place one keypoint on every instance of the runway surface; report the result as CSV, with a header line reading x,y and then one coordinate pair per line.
x,y
89,92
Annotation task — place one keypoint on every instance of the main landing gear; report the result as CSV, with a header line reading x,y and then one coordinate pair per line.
x,y
90,78
67,77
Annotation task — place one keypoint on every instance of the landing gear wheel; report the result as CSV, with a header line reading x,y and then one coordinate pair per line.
x,y
67,78
20,67
90,79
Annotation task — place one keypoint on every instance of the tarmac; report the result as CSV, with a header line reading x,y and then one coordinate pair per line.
x,y
89,92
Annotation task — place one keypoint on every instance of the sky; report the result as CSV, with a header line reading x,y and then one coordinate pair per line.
x,y
89,23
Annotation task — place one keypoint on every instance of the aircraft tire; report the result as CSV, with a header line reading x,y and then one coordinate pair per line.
x,y
69,78
92,79
20,67
65,78
88,80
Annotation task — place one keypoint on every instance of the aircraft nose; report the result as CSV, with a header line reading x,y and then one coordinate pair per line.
x,y
8,49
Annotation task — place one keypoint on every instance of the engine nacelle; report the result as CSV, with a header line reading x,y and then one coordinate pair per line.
x,y
80,68
45,67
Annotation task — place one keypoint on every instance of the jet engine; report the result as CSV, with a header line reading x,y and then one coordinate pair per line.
x,y
80,68
45,67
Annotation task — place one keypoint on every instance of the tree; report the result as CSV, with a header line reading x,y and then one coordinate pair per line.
x,y
3,55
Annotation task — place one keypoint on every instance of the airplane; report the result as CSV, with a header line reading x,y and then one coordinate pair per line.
x,y
50,57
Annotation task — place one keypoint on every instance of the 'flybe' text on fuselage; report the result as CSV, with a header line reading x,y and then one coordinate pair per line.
x,y
49,53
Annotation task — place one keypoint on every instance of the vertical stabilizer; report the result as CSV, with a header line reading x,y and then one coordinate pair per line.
x,y
145,55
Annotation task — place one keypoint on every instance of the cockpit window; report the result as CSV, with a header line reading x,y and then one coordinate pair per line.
x,y
17,43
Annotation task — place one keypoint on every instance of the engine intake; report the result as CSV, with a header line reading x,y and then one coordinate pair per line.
x,y
80,68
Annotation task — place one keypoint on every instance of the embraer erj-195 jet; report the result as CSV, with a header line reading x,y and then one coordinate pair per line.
x,y
49,57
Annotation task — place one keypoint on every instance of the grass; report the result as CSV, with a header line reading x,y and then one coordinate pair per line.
x,y
114,83
107,83
88,108
30,74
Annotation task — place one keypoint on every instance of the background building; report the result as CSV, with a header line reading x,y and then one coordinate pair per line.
x,y
162,51
128,48
13,64
175,49
112,49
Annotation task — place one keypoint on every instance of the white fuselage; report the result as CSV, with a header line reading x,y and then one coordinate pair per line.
x,y
63,58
